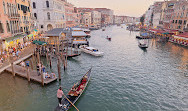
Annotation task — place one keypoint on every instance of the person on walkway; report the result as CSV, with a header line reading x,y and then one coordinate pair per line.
x,y
59,96
23,65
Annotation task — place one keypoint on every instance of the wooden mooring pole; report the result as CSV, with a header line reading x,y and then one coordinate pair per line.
x,y
42,78
59,68
28,75
12,65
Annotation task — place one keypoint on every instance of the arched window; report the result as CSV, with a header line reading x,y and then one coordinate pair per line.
x,y
47,4
8,27
48,15
34,5
35,15
1,27
4,7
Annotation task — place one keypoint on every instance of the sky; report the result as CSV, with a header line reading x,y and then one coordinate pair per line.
x,y
121,7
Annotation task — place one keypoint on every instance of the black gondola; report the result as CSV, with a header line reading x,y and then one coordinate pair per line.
x,y
66,104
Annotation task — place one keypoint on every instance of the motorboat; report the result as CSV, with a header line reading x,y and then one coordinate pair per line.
x,y
144,46
91,50
87,31
109,38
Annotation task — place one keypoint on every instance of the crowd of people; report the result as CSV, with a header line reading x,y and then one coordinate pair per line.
x,y
41,69
13,51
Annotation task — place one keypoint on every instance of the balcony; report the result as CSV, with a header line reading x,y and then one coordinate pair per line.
x,y
14,16
26,22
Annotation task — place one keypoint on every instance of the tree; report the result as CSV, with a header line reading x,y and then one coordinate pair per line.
x,y
142,20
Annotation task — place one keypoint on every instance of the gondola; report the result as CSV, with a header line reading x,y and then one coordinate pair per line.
x,y
74,97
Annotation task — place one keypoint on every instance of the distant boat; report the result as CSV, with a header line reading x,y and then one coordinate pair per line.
x,y
87,31
74,94
91,50
143,45
109,38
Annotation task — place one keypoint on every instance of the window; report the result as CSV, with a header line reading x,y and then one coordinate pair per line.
x,y
48,15
4,8
1,28
18,6
35,15
176,21
8,27
21,29
41,26
47,4
185,21
180,21
34,5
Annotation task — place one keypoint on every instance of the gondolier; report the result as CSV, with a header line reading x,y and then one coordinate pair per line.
x,y
75,93
60,95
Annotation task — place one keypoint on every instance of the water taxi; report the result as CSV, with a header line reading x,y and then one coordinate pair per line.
x,y
91,50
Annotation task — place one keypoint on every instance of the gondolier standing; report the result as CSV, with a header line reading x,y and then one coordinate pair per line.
x,y
59,96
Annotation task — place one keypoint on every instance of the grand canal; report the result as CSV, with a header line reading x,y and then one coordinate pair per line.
x,y
126,78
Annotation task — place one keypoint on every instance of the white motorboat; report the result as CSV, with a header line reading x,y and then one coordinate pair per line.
x,y
91,50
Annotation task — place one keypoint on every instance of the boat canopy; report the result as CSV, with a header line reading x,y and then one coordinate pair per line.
x,y
39,42
78,34
76,29
144,34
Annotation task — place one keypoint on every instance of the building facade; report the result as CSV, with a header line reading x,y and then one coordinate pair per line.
x,y
9,22
149,16
96,18
167,13
180,15
69,13
48,14
106,15
24,11
157,14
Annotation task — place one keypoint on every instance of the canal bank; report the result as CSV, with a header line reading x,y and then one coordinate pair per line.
x,y
125,78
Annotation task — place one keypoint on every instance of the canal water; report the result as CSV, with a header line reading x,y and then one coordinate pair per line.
x,y
126,78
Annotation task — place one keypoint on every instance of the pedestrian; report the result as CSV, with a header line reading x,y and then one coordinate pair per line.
x,y
43,68
38,69
59,96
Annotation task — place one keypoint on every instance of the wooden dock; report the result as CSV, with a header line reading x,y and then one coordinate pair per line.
x,y
22,72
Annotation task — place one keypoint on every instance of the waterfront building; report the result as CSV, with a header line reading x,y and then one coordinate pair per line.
x,y
87,19
77,17
167,12
180,15
157,14
24,11
48,14
149,16
9,23
118,19
96,18
106,14
69,13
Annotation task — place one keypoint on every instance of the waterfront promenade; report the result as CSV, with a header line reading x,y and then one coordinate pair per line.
x,y
25,53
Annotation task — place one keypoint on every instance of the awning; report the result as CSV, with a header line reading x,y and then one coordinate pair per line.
x,y
39,42
144,34
30,35
165,33
78,34
9,39
35,30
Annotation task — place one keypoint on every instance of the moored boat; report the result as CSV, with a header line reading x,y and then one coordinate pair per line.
x,y
91,50
75,92
143,46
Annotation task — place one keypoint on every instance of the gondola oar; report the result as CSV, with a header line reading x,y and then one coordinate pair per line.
x,y
71,103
